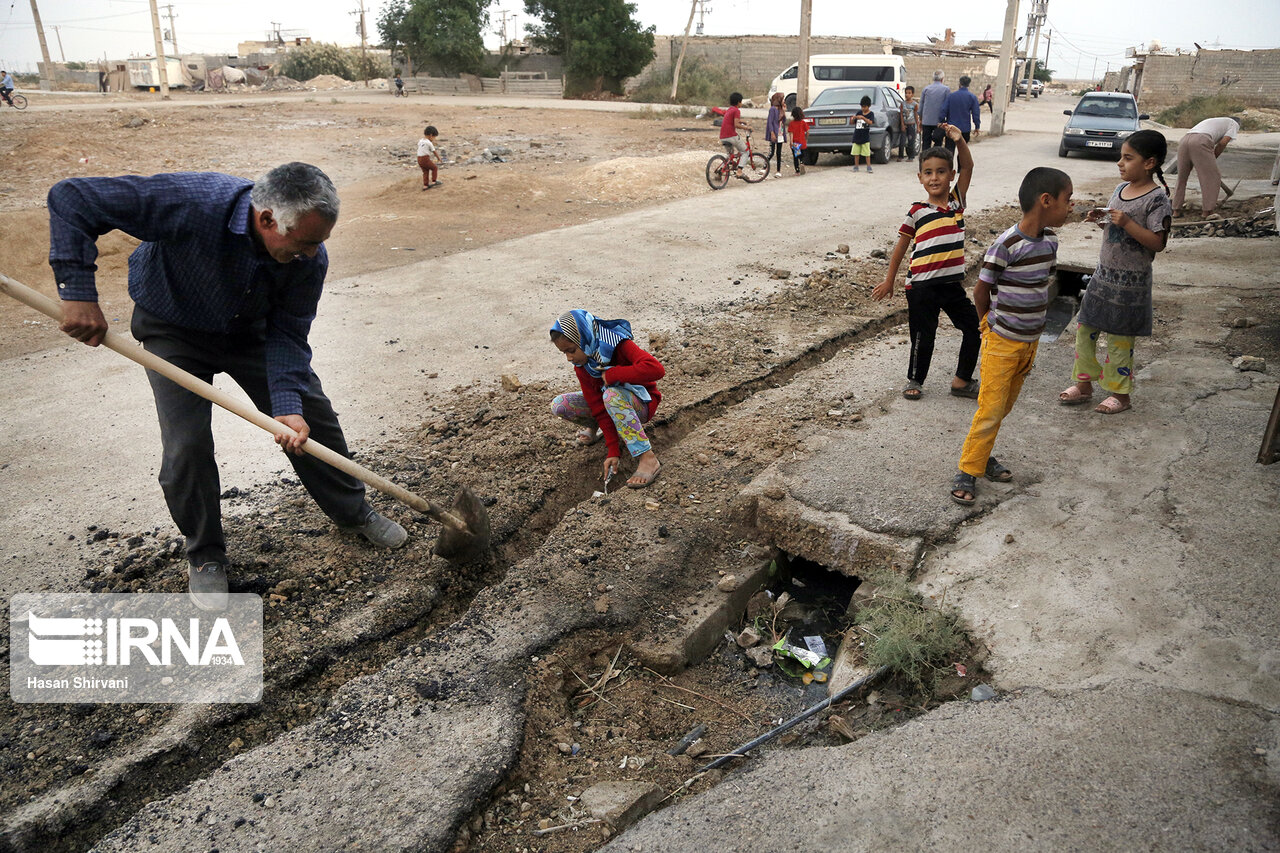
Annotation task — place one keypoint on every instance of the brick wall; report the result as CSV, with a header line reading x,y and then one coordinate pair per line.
x,y
1250,76
756,60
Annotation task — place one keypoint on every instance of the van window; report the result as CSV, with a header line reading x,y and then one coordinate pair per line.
x,y
854,73
790,74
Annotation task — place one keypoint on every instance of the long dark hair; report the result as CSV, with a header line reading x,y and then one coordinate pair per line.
x,y
1151,143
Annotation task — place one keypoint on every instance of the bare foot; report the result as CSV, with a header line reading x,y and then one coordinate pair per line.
x,y
647,468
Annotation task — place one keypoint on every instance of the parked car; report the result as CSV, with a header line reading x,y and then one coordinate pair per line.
x,y
830,119
1037,86
1101,122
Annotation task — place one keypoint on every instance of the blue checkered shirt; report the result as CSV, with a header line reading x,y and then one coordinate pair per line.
x,y
198,266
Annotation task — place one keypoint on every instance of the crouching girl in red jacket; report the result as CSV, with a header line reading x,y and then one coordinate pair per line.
x,y
619,390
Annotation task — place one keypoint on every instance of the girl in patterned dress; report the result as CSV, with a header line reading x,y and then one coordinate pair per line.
x,y
619,390
1118,299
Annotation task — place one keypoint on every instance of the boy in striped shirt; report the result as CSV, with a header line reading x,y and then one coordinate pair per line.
x,y
935,277
1012,296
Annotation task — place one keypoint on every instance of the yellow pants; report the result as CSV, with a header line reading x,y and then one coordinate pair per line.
x,y
1005,365
1116,373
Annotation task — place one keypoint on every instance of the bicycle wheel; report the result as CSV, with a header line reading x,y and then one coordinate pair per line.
x,y
717,172
758,170
20,101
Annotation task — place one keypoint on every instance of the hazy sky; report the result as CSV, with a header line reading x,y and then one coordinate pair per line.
x,y
1087,33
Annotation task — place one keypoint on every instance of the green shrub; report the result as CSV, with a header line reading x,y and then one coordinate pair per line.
x,y
903,633
701,82
312,60
1195,110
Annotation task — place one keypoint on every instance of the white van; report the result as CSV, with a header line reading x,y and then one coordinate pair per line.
x,y
828,70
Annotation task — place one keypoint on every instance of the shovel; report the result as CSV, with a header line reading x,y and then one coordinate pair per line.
x,y
466,523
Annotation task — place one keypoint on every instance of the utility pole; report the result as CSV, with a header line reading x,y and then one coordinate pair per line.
x,y
173,33
1039,10
44,48
1048,45
504,13
57,32
802,68
702,14
364,43
684,43
161,64
1004,76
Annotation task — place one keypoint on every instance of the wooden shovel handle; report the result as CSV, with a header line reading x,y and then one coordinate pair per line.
x,y
133,351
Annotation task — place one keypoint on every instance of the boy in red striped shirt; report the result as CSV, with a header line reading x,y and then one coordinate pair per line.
x,y
935,277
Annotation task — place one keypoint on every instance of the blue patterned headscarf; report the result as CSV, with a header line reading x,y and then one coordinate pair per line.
x,y
597,338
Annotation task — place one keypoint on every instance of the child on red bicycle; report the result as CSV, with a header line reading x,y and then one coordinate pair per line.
x,y
730,138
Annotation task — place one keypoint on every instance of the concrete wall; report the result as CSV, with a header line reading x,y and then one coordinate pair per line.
x,y
1250,76
756,60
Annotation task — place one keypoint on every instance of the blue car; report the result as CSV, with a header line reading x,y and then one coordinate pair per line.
x,y
1101,122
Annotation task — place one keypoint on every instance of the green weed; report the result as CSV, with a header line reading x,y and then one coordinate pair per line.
x,y
1195,110
904,633
700,83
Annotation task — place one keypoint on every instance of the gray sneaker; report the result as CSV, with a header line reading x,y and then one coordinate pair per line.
x,y
207,586
382,531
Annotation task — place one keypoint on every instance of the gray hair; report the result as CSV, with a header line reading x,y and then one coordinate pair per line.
x,y
293,190
938,75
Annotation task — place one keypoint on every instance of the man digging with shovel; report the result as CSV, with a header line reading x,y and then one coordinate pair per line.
x,y
227,280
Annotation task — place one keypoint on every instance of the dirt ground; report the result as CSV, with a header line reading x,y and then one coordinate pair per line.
x,y
316,579
559,169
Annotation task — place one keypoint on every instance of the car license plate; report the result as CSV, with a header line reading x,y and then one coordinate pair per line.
x,y
1095,144
832,121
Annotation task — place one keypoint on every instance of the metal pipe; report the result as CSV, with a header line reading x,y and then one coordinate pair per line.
x,y
741,751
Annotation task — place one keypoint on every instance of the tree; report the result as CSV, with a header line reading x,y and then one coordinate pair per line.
x,y
442,36
316,58
1044,75
600,40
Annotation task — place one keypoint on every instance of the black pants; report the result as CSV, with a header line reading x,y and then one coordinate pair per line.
x,y
775,151
907,141
951,146
188,470
930,135
924,302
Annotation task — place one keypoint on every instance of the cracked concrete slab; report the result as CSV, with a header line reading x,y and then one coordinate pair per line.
x,y
1111,768
1122,582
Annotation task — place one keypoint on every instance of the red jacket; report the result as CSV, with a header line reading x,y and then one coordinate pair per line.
x,y
630,365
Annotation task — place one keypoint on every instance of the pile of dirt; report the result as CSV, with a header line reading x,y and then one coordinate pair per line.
x,y
1264,117
280,83
631,179
328,81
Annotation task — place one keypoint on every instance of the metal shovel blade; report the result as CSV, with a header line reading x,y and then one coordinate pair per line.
x,y
1057,318
463,547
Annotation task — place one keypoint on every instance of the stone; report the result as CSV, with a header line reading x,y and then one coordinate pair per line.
x,y
982,693
1008,539
697,748
748,637
652,505
843,248
775,493
761,656
510,382
879,253
1253,363
781,274
602,604
728,583
621,804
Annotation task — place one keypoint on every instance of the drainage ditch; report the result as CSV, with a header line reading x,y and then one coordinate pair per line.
x,y
336,612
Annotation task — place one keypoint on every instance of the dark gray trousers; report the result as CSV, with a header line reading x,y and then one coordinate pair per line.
x,y
188,469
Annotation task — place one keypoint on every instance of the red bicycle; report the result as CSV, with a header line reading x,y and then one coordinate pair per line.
x,y
721,167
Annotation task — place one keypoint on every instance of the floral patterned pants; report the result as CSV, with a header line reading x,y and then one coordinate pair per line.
x,y
627,411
